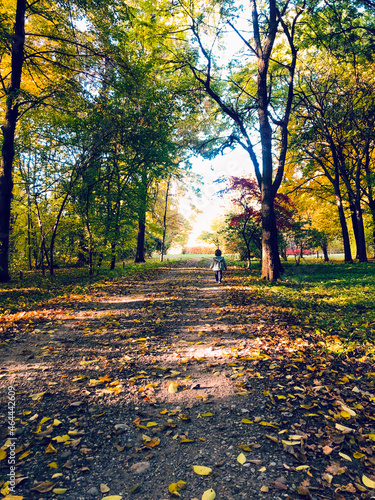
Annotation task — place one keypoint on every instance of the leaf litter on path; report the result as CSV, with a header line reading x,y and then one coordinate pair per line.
x,y
178,372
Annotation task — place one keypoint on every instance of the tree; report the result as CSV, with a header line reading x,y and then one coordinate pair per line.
x,y
255,96
49,51
248,220
335,114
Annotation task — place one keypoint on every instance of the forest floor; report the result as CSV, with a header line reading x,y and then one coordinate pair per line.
x,y
168,384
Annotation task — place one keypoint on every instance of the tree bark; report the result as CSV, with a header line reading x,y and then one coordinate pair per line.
x,y
325,252
8,129
113,257
165,221
140,254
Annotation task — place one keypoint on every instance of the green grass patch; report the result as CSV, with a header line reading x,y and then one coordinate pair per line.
x,y
333,299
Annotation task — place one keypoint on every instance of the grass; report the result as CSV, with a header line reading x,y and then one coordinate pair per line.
x,y
333,299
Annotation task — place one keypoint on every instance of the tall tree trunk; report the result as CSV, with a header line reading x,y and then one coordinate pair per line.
x,y
8,129
140,253
113,257
165,221
325,251
357,219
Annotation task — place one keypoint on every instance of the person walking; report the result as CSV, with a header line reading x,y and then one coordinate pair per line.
x,y
218,265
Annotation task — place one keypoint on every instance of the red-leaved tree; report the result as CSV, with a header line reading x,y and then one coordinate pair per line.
x,y
249,219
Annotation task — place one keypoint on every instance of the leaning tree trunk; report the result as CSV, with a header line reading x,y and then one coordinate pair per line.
x,y
325,251
8,129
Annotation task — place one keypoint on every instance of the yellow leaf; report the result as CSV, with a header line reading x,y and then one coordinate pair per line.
x,y
58,474
56,422
112,497
13,497
209,495
104,488
244,447
173,387
202,470
35,397
302,467
24,455
208,414
246,421
345,457
268,424
358,455
264,489
2,454
53,465
151,424
61,439
5,489
187,441
44,419
154,442
368,482
174,488
60,491
241,458
371,437
50,449
262,469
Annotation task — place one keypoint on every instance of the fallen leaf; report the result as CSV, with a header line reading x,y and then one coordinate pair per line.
x,y
50,449
241,458
104,488
209,495
43,487
327,450
60,491
368,482
173,387
202,470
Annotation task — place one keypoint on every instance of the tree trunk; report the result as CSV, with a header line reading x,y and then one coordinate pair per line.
x,y
165,222
113,258
140,254
8,129
325,252
271,266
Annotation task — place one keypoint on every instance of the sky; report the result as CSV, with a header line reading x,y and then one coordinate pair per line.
x,y
236,163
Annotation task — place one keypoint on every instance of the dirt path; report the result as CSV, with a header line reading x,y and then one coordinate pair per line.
x,y
124,393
